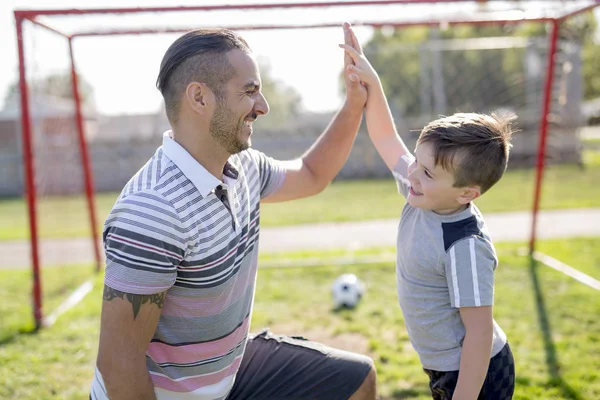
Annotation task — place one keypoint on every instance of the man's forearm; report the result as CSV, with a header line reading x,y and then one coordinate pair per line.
x,y
474,362
329,153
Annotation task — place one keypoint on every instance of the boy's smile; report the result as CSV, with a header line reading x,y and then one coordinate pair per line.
x,y
413,192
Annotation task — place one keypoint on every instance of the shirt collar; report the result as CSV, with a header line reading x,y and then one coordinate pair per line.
x,y
204,181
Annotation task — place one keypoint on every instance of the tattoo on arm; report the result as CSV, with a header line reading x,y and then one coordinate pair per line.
x,y
136,300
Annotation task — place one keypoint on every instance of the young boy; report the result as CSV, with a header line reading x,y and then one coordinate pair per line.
x,y
445,256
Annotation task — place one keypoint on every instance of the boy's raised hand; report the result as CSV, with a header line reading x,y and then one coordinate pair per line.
x,y
354,59
380,123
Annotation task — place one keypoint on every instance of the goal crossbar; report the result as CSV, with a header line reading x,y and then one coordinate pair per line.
x,y
537,11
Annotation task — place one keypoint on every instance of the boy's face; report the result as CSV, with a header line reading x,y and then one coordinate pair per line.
x,y
432,186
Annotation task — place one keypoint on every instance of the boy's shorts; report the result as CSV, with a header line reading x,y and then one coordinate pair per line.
x,y
499,383
281,367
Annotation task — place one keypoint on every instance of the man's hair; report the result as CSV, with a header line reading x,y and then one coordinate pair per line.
x,y
200,56
474,147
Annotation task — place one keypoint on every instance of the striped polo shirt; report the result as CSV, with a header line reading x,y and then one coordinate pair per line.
x,y
177,228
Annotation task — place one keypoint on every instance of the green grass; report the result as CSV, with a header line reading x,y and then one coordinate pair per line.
x,y
341,201
58,217
364,200
57,362
582,254
591,142
551,321
15,294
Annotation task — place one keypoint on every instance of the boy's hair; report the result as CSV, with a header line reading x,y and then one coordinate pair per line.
x,y
480,144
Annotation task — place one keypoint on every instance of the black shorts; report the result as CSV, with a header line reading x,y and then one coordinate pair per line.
x,y
499,383
284,368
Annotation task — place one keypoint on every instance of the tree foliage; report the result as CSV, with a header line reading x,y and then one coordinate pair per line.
x,y
472,79
55,85
284,101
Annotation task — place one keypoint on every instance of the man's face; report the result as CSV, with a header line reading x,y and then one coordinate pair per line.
x,y
243,102
431,185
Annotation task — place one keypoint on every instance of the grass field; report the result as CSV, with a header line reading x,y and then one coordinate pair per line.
x,y
342,201
16,298
363,200
551,321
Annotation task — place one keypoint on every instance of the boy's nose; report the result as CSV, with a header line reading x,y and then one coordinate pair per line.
x,y
411,176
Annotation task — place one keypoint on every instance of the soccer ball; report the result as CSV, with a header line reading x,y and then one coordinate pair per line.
x,y
347,291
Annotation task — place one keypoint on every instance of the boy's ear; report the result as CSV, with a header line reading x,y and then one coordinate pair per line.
x,y
469,194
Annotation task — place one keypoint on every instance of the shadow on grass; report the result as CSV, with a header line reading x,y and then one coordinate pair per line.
x,y
551,359
408,393
8,336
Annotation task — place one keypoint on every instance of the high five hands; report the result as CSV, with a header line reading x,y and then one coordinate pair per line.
x,y
355,63
356,93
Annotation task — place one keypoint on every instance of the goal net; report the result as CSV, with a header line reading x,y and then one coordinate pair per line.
x,y
63,242
427,71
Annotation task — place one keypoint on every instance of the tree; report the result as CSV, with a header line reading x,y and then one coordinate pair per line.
x,y
284,101
583,29
472,79
56,85
423,81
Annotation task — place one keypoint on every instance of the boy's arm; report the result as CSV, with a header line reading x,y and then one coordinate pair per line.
x,y
380,123
469,269
476,351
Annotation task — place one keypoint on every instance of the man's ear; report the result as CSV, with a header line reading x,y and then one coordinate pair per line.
x,y
199,97
469,194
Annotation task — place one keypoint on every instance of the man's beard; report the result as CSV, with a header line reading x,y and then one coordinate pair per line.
x,y
227,131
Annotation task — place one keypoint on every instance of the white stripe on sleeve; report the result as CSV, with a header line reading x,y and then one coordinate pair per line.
x,y
454,277
474,272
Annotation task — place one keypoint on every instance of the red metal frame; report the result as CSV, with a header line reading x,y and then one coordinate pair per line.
x,y
29,166
133,10
580,11
541,157
47,27
85,158
21,15
324,25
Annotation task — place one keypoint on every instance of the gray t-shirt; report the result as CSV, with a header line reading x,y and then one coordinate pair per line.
x,y
444,262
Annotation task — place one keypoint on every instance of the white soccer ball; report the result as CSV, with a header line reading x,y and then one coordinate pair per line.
x,y
347,291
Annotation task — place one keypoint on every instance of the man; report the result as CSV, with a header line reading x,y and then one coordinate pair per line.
x,y
181,244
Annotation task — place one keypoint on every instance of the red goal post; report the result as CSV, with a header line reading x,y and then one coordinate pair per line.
x,y
71,24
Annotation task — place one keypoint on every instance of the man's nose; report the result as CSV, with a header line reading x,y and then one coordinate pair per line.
x,y
261,106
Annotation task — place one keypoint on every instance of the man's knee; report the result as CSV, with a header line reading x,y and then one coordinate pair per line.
x,y
368,388
371,379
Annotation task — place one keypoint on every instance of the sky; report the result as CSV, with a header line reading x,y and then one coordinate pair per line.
x,y
122,69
